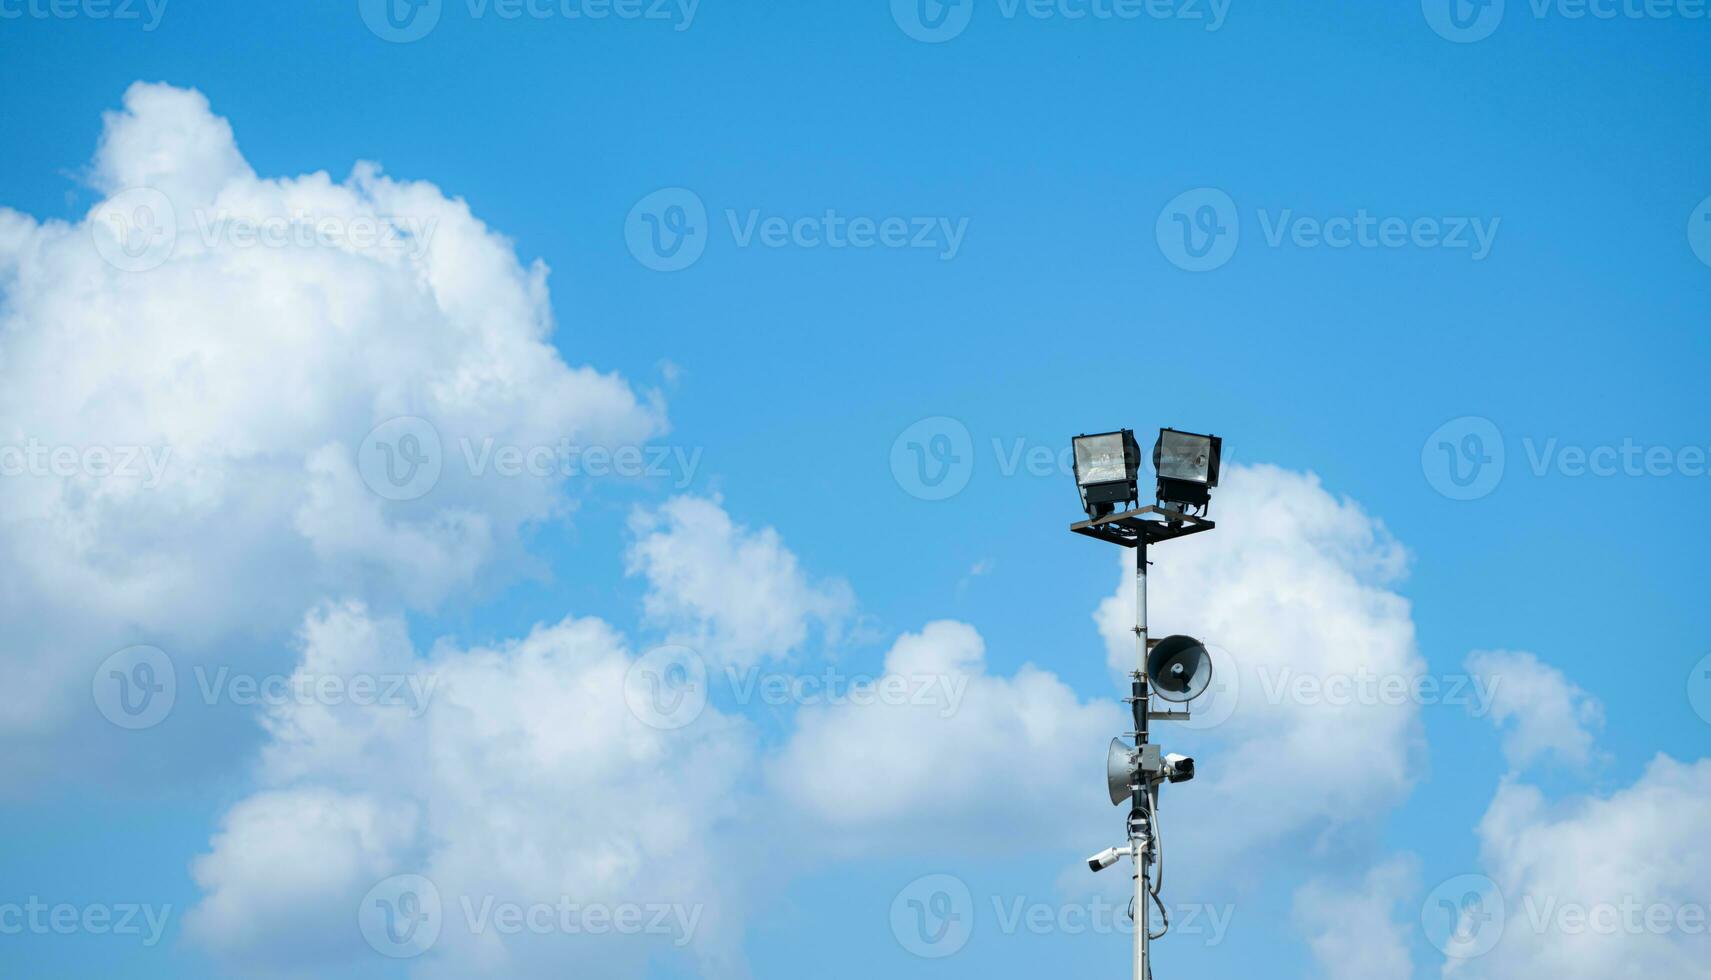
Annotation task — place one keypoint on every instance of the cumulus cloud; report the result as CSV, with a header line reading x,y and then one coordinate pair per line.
x,y
1309,723
1542,714
943,756
247,333
522,779
736,595
1601,886
1353,928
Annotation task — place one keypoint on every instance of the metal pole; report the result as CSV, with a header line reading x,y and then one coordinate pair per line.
x,y
1138,834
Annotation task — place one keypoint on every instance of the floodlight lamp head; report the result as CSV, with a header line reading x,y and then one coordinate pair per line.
x,y
1106,465
1179,668
1187,465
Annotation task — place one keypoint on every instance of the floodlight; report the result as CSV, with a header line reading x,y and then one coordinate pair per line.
x,y
1179,668
1105,468
1187,466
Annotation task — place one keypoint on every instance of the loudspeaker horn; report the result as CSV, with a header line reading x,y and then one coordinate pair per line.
x,y
1179,668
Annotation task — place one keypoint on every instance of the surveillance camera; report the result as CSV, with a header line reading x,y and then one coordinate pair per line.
x,y
1104,859
1178,768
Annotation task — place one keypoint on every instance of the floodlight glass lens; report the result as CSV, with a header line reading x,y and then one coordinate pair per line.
x,y
1183,456
1099,459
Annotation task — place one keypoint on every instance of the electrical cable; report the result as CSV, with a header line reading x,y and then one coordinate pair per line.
x,y
1155,882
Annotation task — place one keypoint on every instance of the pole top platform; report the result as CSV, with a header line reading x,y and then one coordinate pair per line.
x,y
1149,524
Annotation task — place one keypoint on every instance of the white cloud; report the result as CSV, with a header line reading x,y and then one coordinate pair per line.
x,y
970,758
734,594
1353,928
527,777
527,781
1598,887
259,368
1541,712
1294,590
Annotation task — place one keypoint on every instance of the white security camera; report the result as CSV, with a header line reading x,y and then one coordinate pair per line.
x,y
1178,768
1104,859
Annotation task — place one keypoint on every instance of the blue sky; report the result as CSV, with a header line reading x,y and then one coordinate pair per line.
x,y
1543,178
